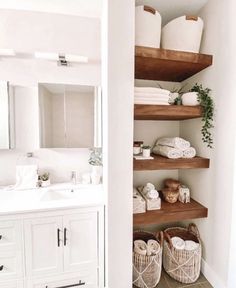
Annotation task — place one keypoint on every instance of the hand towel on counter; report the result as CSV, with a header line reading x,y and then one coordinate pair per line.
x,y
178,243
154,90
189,153
26,177
175,142
166,151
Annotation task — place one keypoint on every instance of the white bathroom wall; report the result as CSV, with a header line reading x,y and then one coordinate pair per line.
x,y
214,187
47,33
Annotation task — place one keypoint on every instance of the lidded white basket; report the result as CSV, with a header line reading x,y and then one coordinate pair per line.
x,y
183,34
147,27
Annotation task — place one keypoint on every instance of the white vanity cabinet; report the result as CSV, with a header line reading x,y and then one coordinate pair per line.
x,y
61,248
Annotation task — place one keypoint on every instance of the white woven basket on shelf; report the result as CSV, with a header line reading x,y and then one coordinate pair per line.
x,y
182,265
147,269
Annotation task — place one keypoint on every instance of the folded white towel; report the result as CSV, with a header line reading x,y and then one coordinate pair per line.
x,y
175,142
150,102
140,247
151,95
153,247
191,245
167,151
178,243
151,90
26,177
189,152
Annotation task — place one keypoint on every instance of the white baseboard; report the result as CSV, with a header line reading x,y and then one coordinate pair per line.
x,y
211,276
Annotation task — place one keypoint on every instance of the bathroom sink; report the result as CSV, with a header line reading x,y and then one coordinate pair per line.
x,y
55,195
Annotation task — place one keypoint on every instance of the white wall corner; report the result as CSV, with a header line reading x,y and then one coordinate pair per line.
x,y
211,276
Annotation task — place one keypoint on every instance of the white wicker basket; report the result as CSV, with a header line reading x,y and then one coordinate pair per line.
x,y
183,34
147,27
182,265
147,269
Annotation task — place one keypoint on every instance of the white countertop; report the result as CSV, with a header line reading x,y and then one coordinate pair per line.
x,y
56,196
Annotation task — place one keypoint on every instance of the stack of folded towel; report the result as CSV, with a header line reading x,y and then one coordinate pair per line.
x,y
179,244
151,248
151,96
174,148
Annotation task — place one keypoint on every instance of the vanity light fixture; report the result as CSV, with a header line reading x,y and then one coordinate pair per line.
x,y
62,59
7,52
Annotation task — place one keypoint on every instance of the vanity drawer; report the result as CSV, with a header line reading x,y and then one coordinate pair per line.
x,y
12,284
10,235
83,279
10,265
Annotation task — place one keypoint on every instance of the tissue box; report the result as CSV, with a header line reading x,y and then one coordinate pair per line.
x,y
139,204
151,204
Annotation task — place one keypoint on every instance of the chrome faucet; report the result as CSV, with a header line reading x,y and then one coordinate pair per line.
x,y
73,177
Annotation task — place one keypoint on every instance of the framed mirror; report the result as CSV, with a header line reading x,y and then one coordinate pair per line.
x,y
70,116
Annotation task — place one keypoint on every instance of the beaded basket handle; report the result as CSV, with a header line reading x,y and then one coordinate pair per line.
x,y
160,237
192,228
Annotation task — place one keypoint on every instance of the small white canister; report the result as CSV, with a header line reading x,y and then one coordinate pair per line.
x,y
147,27
190,99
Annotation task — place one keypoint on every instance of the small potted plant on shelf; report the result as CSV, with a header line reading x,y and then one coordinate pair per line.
x,y
95,161
44,179
146,149
207,103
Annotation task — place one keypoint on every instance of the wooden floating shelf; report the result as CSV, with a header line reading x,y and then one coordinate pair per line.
x,y
168,65
171,213
163,163
166,112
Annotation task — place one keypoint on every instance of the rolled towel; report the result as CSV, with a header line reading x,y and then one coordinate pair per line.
x,y
189,152
151,90
175,142
140,247
178,243
153,247
167,151
148,187
153,194
191,245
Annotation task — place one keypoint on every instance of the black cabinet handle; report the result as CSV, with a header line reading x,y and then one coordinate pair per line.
x,y
0,237
65,237
70,286
1,267
58,237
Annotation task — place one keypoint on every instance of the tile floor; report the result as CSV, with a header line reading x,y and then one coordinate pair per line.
x,y
167,282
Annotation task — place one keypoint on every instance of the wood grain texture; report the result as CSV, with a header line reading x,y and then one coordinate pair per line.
x,y
166,112
171,213
163,163
168,65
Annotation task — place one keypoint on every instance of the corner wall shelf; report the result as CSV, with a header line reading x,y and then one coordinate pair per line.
x,y
163,163
166,112
171,213
168,65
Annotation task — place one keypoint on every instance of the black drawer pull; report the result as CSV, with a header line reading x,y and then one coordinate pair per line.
x,y
72,285
65,239
0,237
58,237
1,267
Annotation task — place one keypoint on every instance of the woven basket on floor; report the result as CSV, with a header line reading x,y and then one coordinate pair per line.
x,y
147,269
182,265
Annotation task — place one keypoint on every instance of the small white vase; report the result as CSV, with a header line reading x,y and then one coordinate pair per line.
x,y
45,183
96,175
146,153
190,99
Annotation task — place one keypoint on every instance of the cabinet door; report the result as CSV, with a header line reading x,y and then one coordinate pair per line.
x,y
81,242
12,284
43,246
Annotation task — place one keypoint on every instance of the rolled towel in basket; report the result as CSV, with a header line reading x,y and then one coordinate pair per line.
x,y
175,142
178,243
153,247
140,247
189,152
191,245
168,152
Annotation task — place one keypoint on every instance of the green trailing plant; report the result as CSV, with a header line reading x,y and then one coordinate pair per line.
x,y
95,156
44,177
207,104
